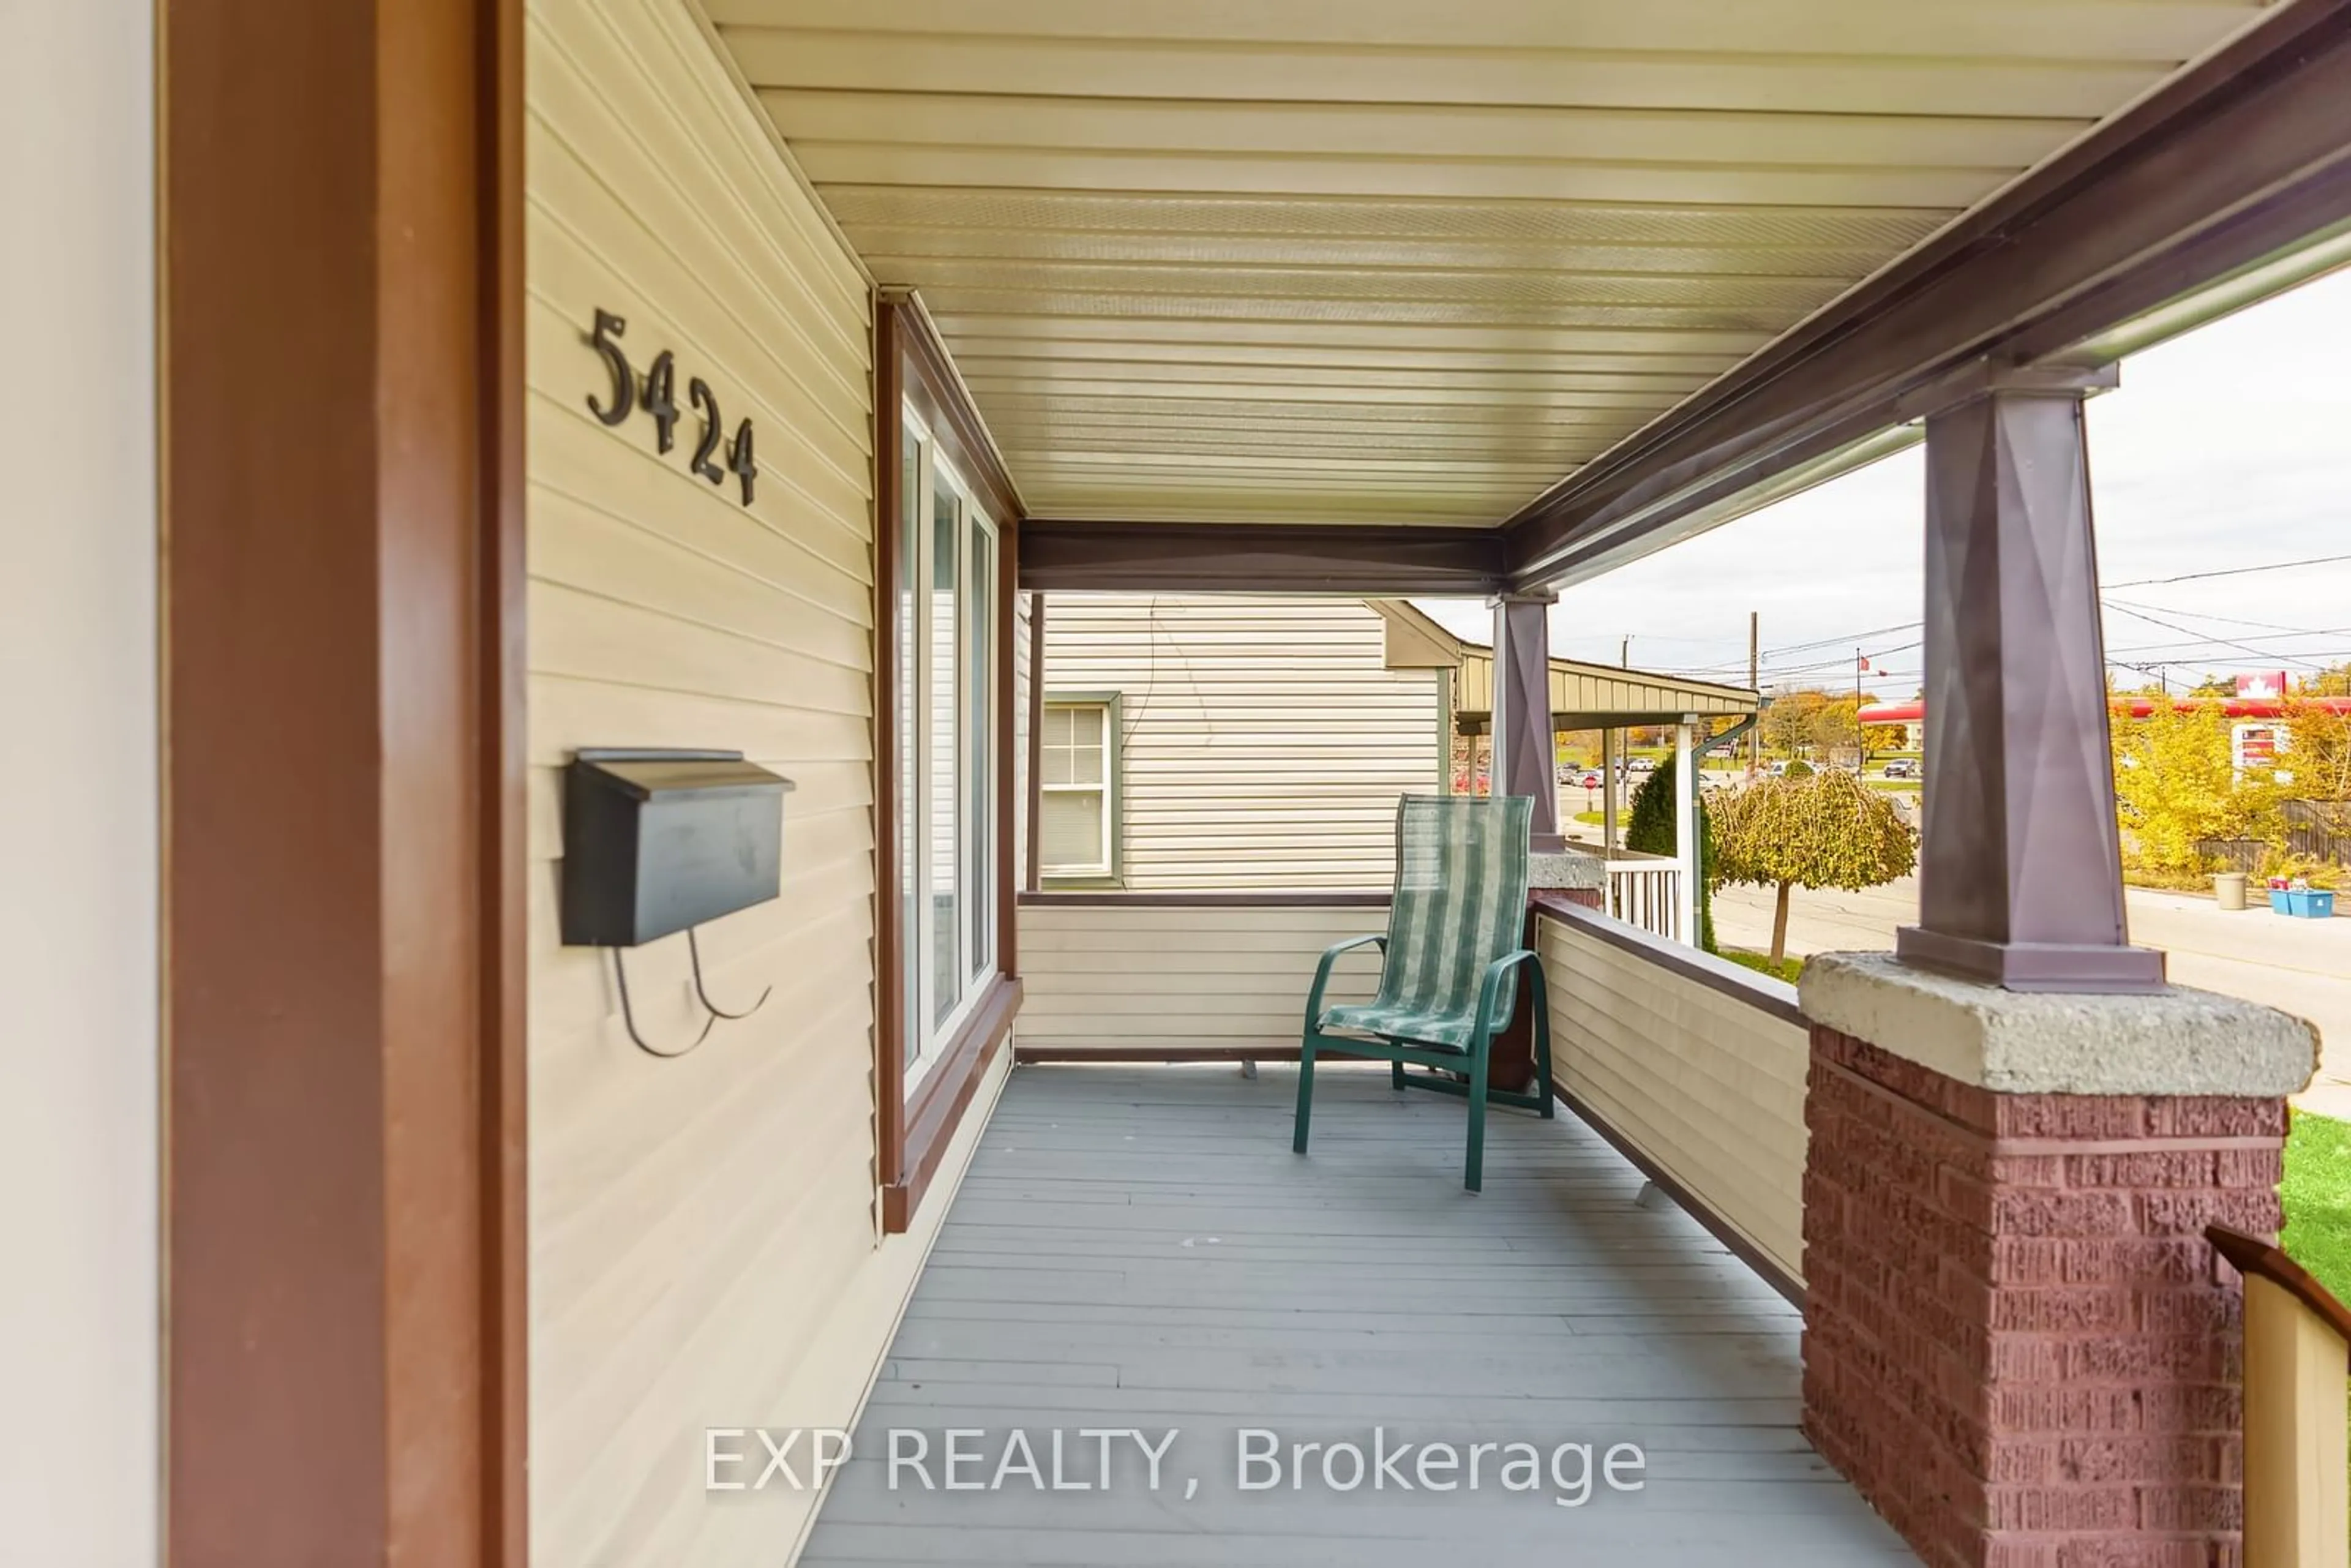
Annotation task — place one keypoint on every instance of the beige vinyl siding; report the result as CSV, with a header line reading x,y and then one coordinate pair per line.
x,y
1264,741
1709,1087
1171,979
704,1247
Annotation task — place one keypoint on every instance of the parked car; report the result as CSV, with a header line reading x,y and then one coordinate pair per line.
x,y
1901,768
1640,765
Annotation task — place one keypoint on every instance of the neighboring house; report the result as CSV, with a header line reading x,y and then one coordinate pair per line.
x,y
1238,743
1230,742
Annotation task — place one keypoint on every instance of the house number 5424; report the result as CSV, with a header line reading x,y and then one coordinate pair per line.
x,y
659,396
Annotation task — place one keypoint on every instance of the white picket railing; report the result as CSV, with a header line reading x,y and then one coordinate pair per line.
x,y
1641,892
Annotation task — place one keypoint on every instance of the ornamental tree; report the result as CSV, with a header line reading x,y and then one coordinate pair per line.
x,y
1820,829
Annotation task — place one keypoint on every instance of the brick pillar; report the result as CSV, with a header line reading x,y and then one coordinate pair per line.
x,y
2018,1344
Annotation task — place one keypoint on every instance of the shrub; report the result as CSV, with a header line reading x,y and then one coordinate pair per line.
x,y
1650,830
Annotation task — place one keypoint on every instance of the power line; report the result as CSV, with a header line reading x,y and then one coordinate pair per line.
x,y
2228,620
2232,571
2257,637
2216,642
1851,637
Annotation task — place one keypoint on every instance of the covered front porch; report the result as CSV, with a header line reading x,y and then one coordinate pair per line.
x,y
470,1259
1136,1248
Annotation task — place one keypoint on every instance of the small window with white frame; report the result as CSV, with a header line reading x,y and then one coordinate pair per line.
x,y
1077,786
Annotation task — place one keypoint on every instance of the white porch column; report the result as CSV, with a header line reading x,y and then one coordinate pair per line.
x,y
1686,831
1607,792
1525,752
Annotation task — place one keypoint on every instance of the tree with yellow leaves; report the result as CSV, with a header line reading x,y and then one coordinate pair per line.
x,y
2320,758
1823,829
2176,786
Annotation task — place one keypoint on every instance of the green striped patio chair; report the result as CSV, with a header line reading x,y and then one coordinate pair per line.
x,y
1450,962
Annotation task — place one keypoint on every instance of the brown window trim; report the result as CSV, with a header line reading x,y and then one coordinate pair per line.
x,y
911,368
938,1103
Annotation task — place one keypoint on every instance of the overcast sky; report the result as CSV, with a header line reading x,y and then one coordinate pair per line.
x,y
2228,447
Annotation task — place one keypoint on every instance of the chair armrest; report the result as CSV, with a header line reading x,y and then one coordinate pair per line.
x,y
1322,969
1490,987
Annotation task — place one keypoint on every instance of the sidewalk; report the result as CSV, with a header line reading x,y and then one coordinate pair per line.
x,y
2300,966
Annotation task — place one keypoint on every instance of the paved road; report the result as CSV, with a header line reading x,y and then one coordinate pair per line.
x,y
2301,966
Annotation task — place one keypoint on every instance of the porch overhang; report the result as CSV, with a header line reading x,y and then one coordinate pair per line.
x,y
1583,695
1275,297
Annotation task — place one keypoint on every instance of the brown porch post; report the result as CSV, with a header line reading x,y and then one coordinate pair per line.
x,y
344,801
1525,756
2020,873
2018,1344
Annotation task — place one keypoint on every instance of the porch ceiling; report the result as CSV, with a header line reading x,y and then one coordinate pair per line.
x,y
1285,260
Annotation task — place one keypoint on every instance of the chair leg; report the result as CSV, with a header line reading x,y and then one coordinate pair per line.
x,y
1305,1093
1395,1074
1474,1175
1543,1062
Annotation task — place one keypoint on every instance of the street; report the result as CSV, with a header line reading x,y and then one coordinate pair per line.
x,y
2300,966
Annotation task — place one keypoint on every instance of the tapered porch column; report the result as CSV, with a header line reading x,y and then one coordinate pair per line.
x,y
1525,755
2019,1344
2020,877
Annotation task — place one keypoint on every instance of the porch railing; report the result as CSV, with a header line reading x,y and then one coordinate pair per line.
x,y
1642,890
2297,1371
1694,1067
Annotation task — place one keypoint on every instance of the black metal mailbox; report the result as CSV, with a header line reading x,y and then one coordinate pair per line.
x,y
659,842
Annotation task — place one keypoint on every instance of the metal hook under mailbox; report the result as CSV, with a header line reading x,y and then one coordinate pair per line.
x,y
701,992
694,951
629,1017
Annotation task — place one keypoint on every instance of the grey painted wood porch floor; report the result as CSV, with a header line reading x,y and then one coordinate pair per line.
x,y
1138,1248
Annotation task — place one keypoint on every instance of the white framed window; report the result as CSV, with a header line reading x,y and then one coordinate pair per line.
x,y
945,587
1077,788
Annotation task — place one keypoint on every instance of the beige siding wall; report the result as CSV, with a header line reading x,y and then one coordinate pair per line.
x,y
1173,978
1708,1086
80,1313
1265,739
705,1248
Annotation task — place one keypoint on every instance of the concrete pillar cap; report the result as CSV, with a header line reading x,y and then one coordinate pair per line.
x,y
2178,1041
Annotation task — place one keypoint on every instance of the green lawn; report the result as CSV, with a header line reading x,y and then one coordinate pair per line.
x,y
1787,969
2318,1193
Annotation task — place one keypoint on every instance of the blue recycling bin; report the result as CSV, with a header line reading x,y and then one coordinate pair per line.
x,y
2302,903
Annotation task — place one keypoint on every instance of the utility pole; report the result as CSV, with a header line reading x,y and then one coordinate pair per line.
x,y
1624,654
1860,742
1754,684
